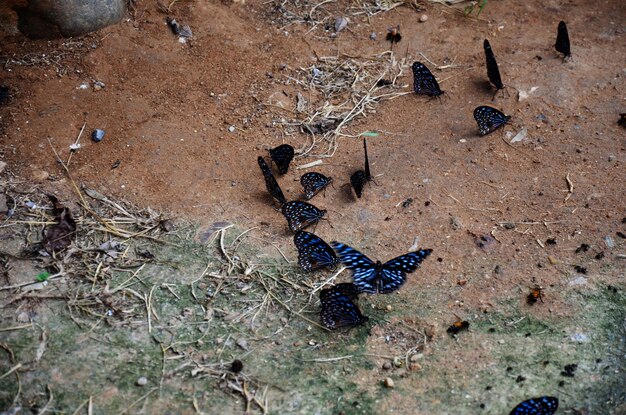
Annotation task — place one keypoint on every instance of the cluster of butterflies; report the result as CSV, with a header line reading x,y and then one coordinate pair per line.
x,y
488,118
339,303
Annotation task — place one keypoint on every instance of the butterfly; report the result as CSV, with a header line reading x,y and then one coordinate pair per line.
x,y
270,182
339,308
458,326
534,295
393,35
545,405
489,119
424,82
562,40
299,215
372,277
359,178
313,252
492,67
282,156
314,182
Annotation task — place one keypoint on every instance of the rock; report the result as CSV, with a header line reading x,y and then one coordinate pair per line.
x,y
423,18
373,36
51,19
387,365
340,24
388,382
3,165
23,317
142,381
97,135
415,367
243,343
414,358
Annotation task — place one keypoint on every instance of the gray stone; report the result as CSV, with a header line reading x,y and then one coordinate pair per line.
x,y
49,19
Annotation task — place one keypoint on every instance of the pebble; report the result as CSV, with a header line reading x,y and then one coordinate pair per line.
x,y
415,367
389,307
97,135
414,358
142,381
23,317
243,343
397,362
388,382
387,365
98,85
231,129
423,18
3,165
373,36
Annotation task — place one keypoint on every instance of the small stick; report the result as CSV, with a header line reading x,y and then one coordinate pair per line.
x,y
570,188
311,164
76,142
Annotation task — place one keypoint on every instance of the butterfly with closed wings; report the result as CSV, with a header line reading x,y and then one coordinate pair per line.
x,y
339,308
299,215
424,82
545,405
376,277
489,119
562,40
492,67
313,183
359,178
282,156
313,252
270,182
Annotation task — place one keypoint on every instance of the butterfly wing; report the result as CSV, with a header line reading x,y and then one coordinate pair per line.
x,y
368,174
338,310
424,82
314,182
299,215
358,180
545,405
282,156
364,270
489,119
562,40
393,272
492,66
313,252
270,182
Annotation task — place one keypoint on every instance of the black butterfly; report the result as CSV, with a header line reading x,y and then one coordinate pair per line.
x,y
270,182
492,66
299,215
282,156
424,82
313,252
339,308
373,277
314,182
489,119
562,40
545,405
359,178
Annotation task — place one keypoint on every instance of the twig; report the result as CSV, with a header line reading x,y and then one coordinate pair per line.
x,y
76,143
570,188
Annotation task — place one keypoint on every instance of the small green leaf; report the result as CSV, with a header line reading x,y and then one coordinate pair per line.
x,y
43,276
369,134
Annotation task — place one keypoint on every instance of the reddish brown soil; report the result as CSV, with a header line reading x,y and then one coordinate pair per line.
x,y
166,109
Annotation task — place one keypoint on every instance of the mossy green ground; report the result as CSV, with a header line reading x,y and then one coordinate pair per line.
x,y
507,355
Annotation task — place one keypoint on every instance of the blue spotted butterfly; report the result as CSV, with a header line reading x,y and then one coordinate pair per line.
x,y
339,308
313,182
424,81
360,177
489,119
376,277
313,252
299,215
270,182
545,405
282,156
